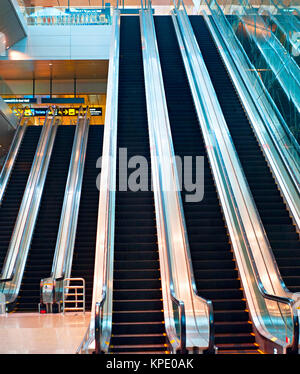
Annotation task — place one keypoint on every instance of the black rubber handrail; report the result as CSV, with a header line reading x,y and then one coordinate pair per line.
x,y
98,313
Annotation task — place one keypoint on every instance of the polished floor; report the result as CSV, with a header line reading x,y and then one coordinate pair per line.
x,y
33,333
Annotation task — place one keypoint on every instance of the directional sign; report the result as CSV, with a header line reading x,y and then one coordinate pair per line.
x,y
65,112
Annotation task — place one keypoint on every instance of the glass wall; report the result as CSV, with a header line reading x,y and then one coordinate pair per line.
x,y
272,44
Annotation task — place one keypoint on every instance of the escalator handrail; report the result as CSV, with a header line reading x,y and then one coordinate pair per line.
x,y
255,125
211,346
161,207
156,172
8,257
12,156
243,231
282,56
279,51
182,324
17,253
272,18
263,120
93,333
156,176
103,268
62,260
283,6
98,312
285,300
259,82
280,299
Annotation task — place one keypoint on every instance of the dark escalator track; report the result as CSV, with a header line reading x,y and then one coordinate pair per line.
x,y
14,192
213,263
40,257
85,243
138,325
279,227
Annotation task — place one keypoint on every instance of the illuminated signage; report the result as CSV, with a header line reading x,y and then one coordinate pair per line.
x,y
87,11
63,100
65,112
16,100
96,111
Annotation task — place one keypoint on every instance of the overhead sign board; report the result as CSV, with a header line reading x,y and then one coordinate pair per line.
x,y
17,100
87,11
96,111
63,100
67,112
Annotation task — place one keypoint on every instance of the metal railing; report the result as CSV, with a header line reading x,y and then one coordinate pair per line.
x,y
67,16
76,298
266,299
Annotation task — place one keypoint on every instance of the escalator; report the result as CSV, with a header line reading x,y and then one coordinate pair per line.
x,y
277,222
285,106
138,318
279,24
40,257
15,189
215,272
85,242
